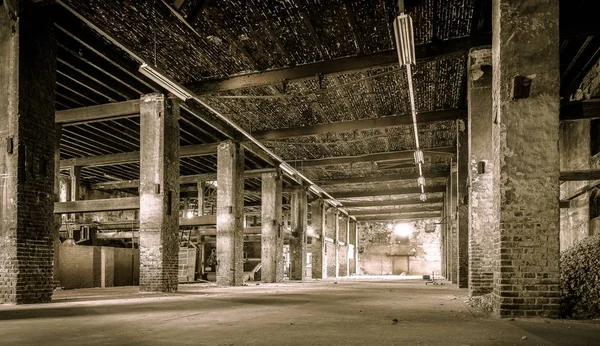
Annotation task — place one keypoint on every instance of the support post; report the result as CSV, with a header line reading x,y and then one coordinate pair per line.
x,y
319,262
230,214
463,204
271,233
454,218
201,198
298,239
159,193
481,191
337,242
348,250
526,106
356,249
27,94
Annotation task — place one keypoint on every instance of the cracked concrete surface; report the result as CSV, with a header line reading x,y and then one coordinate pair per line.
x,y
354,311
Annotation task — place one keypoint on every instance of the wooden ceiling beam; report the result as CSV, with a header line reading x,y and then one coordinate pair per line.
x,y
578,110
346,65
422,208
390,202
382,178
387,192
385,156
399,217
362,124
580,175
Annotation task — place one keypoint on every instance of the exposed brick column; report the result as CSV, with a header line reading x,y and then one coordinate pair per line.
x,y
482,217
463,204
319,261
27,93
159,193
299,220
230,214
271,234
525,54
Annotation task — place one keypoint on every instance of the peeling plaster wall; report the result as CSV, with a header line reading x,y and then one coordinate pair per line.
x,y
383,253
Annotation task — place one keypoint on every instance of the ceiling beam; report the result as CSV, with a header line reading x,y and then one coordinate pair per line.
x,y
390,202
186,179
109,111
580,175
385,156
418,209
346,65
97,205
383,178
387,192
399,217
362,124
134,156
578,110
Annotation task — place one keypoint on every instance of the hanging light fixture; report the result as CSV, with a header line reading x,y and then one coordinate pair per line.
x,y
405,46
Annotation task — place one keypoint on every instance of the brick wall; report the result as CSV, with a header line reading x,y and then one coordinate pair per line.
x,y
383,253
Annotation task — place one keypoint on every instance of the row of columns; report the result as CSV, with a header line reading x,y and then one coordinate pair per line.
x,y
501,210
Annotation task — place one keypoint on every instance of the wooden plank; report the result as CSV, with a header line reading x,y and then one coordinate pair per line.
x,y
580,175
97,205
382,178
339,66
385,156
362,124
107,111
578,110
388,192
390,202
134,156
583,190
399,217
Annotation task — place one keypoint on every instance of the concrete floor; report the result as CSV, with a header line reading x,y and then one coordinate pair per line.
x,y
363,311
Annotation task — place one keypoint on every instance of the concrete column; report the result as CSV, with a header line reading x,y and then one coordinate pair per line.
x,y
454,229
319,261
57,193
299,220
201,188
348,250
481,191
337,242
271,233
27,89
356,247
526,99
463,204
330,245
230,214
159,193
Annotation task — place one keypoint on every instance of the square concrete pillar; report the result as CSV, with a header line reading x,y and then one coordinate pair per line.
x,y
356,247
330,245
348,250
463,204
319,261
27,154
271,233
230,214
481,191
299,219
159,193
337,241
454,224
525,56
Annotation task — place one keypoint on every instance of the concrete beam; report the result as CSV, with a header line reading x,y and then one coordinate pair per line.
x,y
388,192
391,202
580,175
385,156
422,208
400,217
382,178
97,205
109,111
334,67
358,125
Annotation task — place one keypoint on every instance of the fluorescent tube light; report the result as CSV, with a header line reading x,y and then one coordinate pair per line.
x,y
161,79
